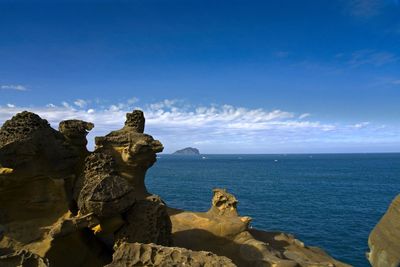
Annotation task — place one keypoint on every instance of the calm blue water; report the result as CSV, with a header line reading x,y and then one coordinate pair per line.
x,y
327,200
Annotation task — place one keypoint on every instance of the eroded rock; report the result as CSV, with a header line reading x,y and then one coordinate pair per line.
x,y
136,254
147,222
222,231
384,240
63,206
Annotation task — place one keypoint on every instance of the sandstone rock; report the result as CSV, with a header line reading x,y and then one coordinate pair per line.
x,y
23,258
147,221
135,121
29,146
104,192
136,254
384,240
63,206
39,167
133,152
222,231
76,131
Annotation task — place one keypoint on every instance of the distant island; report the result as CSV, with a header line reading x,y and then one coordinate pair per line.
x,y
187,151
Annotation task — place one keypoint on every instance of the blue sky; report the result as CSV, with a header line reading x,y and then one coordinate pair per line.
x,y
224,76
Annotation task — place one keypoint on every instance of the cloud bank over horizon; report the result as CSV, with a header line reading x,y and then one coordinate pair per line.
x,y
223,128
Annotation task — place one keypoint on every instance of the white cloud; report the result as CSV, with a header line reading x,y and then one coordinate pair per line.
x,y
15,87
361,125
213,128
80,103
304,115
10,105
132,100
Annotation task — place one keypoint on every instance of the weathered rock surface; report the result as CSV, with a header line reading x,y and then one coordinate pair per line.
x,y
104,192
63,206
147,222
187,151
384,240
136,254
23,258
222,231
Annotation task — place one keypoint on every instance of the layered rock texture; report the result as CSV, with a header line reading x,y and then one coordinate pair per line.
x,y
384,240
61,205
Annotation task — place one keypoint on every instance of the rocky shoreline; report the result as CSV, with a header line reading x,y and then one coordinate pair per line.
x,y
61,205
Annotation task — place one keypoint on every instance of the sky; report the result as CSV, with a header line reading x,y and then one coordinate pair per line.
x,y
278,76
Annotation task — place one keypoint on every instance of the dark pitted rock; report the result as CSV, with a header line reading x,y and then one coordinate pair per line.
x,y
136,254
135,120
23,258
38,167
28,139
21,127
104,193
384,240
75,131
187,151
147,222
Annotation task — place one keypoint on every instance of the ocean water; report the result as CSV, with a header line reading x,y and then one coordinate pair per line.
x,y
327,200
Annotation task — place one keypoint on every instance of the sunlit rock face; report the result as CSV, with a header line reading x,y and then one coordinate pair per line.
x,y
136,254
384,240
222,231
63,206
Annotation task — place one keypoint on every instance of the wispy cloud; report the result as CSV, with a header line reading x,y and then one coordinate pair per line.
x,y
304,115
213,128
15,87
371,57
80,103
281,54
396,82
367,9
364,8
361,125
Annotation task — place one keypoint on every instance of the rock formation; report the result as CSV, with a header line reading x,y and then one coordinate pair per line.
x,y
61,205
384,239
222,231
137,254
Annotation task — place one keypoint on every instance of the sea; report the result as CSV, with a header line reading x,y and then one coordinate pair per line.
x,y
331,201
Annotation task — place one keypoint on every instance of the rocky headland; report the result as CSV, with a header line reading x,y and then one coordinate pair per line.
x,y
61,205
187,151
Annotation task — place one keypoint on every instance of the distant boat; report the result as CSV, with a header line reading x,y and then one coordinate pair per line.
x,y
276,160
203,157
